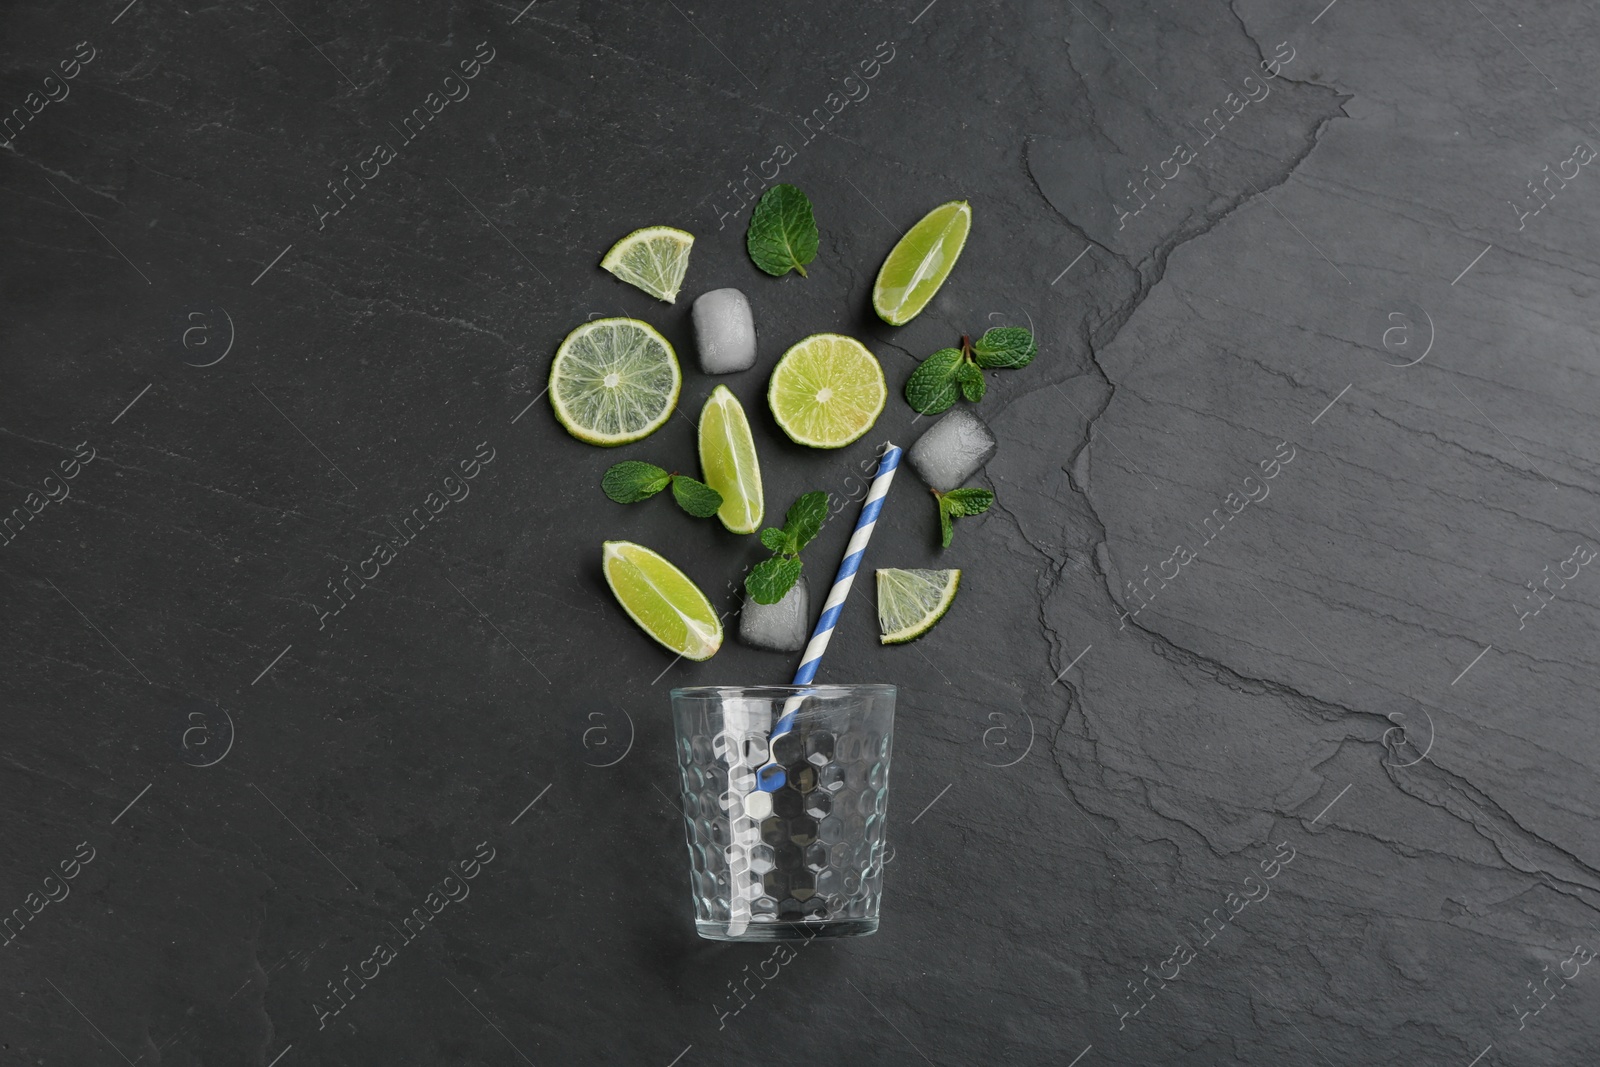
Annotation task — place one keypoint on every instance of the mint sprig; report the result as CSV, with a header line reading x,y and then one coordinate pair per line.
x,y
771,579
783,232
803,521
632,480
956,504
952,373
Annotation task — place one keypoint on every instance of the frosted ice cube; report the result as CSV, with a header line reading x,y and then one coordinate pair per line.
x,y
952,450
779,627
724,331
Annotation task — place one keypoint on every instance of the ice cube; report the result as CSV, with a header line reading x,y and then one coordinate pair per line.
x,y
724,331
952,450
779,627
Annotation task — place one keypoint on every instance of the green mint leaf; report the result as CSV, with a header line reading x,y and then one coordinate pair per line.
x,y
956,504
1005,348
697,498
783,232
805,517
972,384
946,529
631,481
770,579
968,501
775,539
932,387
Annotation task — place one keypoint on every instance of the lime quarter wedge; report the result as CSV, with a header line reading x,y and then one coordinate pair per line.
x,y
662,600
827,391
654,259
920,263
910,602
728,461
614,381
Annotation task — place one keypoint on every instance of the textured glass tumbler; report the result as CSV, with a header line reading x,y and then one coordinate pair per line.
x,y
813,867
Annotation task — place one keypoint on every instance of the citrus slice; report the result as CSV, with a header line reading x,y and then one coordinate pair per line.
x,y
728,461
653,259
662,600
910,602
920,263
614,381
827,391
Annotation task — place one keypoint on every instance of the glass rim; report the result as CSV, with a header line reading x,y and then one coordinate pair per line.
x,y
701,692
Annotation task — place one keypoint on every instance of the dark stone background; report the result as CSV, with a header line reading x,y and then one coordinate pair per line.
x,y
1298,687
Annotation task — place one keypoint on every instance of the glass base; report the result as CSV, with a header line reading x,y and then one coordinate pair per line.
x,y
771,931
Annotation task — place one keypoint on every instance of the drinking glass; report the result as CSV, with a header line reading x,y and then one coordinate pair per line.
x,y
810,862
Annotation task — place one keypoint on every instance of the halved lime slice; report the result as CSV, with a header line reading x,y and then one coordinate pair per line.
x,y
920,263
614,381
728,461
910,602
662,600
655,259
827,391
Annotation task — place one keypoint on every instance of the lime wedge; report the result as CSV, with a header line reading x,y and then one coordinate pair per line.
x,y
655,259
827,391
662,600
910,602
728,461
614,381
920,263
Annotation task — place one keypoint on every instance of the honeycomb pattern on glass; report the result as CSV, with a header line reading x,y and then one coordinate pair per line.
x,y
817,857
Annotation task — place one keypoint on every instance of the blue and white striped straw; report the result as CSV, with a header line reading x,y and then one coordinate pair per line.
x,y
771,777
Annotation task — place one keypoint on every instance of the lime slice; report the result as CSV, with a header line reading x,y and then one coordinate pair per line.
x,y
910,602
614,381
728,461
920,263
662,600
654,259
827,391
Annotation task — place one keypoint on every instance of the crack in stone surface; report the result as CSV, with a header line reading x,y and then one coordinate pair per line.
x,y
1556,867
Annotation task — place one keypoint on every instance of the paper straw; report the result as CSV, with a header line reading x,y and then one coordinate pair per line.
x,y
771,777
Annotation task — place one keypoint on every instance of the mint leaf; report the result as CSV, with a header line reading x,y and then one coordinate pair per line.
x,y
968,501
956,504
783,232
1005,348
805,517
776,540
932,386
770,579
631,481
697,498
972,384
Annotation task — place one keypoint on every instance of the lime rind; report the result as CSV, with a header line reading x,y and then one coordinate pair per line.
x,y
662,600
728,461
653,259
911,602
614,381
827,391
925,253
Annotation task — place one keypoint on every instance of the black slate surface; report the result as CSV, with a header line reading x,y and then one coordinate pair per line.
x,y
1318,705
